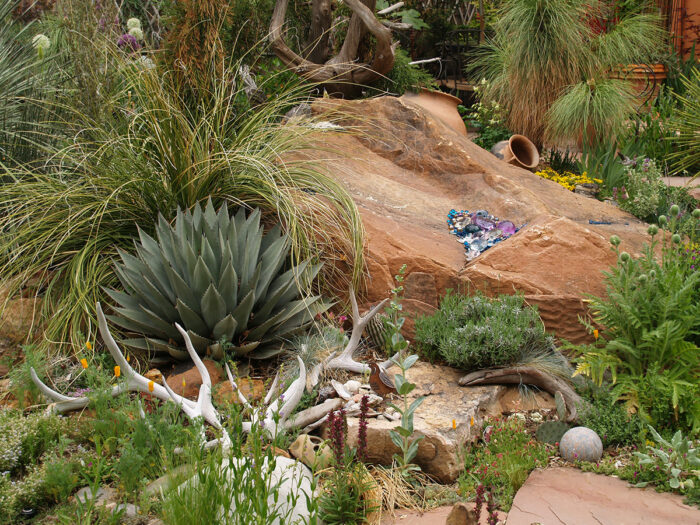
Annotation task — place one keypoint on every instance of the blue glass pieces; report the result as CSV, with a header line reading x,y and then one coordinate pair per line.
x,y
478,231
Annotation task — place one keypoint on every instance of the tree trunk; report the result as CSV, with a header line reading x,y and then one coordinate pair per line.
x,y
317,49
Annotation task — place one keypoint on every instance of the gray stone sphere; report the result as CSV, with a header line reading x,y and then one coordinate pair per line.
x,y
582,444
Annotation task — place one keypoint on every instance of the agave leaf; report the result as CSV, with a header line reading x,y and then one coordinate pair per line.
x,y
201,278
251,266
200,343
197,217
274,298
268,351
208,255
293,292
123,299
216,351
191,319
223,217
271,236
213,307
272,261
182,290
143,322
210,213
180,262
158,345
246,348
189,256
158,302
251,284
166,243
226,328
228,287
290,310
155,270
243,310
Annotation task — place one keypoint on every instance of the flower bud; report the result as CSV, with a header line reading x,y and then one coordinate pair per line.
x,y
675,210
662,220
696,213
624,256
676,238
133,22
615,240
652,273
653,230
643,278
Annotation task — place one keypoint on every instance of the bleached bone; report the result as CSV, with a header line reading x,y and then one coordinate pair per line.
x,y
345,360
312,414
341,390
203,407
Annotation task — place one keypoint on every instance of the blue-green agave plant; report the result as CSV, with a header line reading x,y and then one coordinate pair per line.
x,y
222,278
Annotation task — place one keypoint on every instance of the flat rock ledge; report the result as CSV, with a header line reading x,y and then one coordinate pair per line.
x,y
450,417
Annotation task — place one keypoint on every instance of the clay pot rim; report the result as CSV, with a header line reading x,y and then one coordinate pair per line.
x,y
440,93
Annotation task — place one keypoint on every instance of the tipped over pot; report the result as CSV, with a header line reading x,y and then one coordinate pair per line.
x,y
517,150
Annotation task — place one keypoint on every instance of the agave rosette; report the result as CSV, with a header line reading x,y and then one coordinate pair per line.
x,y
222,278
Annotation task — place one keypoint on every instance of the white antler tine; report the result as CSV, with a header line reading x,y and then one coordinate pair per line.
x,y
293,394
353,304
187,408
49,392
235,388
273,388
111,343
206,379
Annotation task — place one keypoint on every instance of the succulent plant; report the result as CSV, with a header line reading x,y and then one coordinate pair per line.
x,y
222,278
551,431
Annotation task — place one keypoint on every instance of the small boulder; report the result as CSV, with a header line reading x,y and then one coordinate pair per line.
x,y
192,379
582,444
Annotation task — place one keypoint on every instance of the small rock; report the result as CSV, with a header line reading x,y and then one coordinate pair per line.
x,y
382,417
325,393
297,113
461,514
252,389
193,380
154,375
352,386
104,494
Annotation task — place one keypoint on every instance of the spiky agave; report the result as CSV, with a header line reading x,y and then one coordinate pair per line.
x,y
222,278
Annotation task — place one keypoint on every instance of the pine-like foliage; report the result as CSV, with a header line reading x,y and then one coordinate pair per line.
x,y
222,278
546,49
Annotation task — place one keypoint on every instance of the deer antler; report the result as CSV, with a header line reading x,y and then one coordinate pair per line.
x,y
203,407
345,359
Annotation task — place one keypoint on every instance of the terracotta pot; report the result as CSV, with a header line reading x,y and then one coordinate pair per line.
x,y
646,80
517,150
440,105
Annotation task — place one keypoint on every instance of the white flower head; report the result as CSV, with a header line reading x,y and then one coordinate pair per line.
x,y
41,43
136,32
133,22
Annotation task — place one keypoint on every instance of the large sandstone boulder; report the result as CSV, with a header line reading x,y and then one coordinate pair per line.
x,y
407,170
449,418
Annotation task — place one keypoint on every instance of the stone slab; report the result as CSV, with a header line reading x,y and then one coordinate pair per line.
x,y
569,496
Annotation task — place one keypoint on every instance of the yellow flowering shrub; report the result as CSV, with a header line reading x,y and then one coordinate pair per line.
x,y
567,179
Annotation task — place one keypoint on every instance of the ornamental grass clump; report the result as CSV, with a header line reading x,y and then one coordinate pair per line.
x,y
548,65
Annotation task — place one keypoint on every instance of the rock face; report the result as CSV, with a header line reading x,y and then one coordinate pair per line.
x,y
192,379
567,495
445,403
408,170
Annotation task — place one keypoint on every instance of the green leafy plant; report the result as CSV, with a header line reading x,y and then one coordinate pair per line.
x,y
645,189
562,161
678,459
609,419
404,76
488,117
548,67
552,431
601,162
503,462
402,436
651,317
222,278
344,498
474,332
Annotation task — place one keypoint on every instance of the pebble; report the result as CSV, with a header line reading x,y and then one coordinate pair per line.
x,y
352,386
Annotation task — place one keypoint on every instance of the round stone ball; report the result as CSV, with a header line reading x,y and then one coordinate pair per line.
x,y
582,444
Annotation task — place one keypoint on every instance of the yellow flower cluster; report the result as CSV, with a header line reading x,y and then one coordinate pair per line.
x,y
567,179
